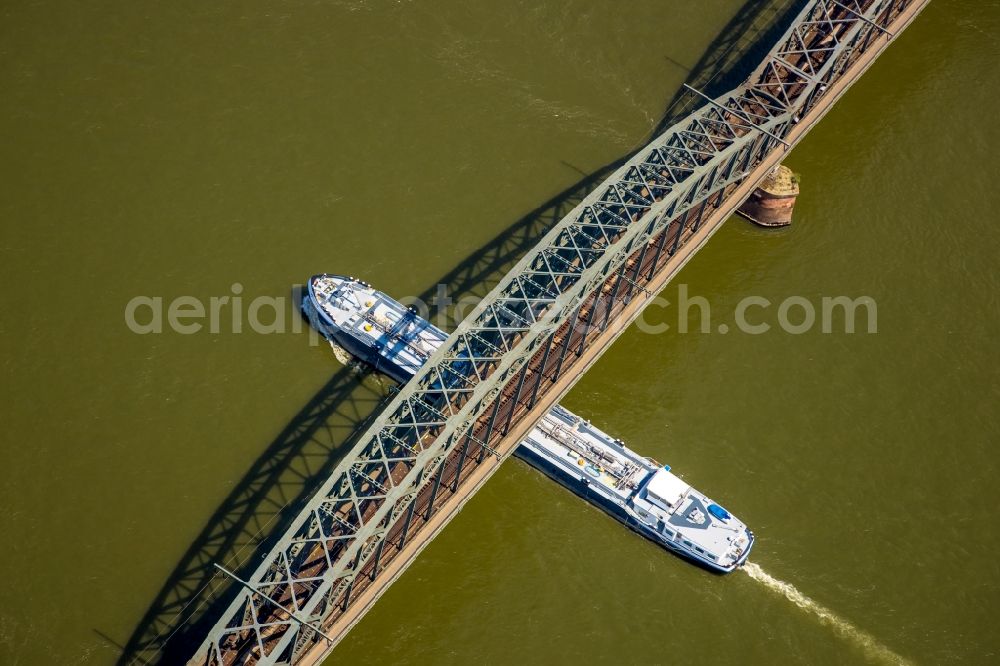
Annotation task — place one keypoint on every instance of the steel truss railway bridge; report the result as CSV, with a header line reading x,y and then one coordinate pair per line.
x,y
545,323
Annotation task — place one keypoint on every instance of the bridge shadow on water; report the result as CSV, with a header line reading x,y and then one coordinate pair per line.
x,y
265,501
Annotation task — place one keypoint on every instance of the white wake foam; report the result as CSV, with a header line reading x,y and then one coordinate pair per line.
x,y
358,367
342,354
868,643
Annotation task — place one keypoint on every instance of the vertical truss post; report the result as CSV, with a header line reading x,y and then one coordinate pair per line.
x,y
406,523
541,372
490,425
461,463
434,490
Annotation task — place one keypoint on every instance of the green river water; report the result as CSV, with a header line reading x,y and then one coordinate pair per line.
x,y
175,149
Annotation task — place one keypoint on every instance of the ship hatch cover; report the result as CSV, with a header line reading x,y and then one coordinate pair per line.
x,y
665,488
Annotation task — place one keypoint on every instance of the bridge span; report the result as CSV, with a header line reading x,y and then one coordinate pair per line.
x,y
531,338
